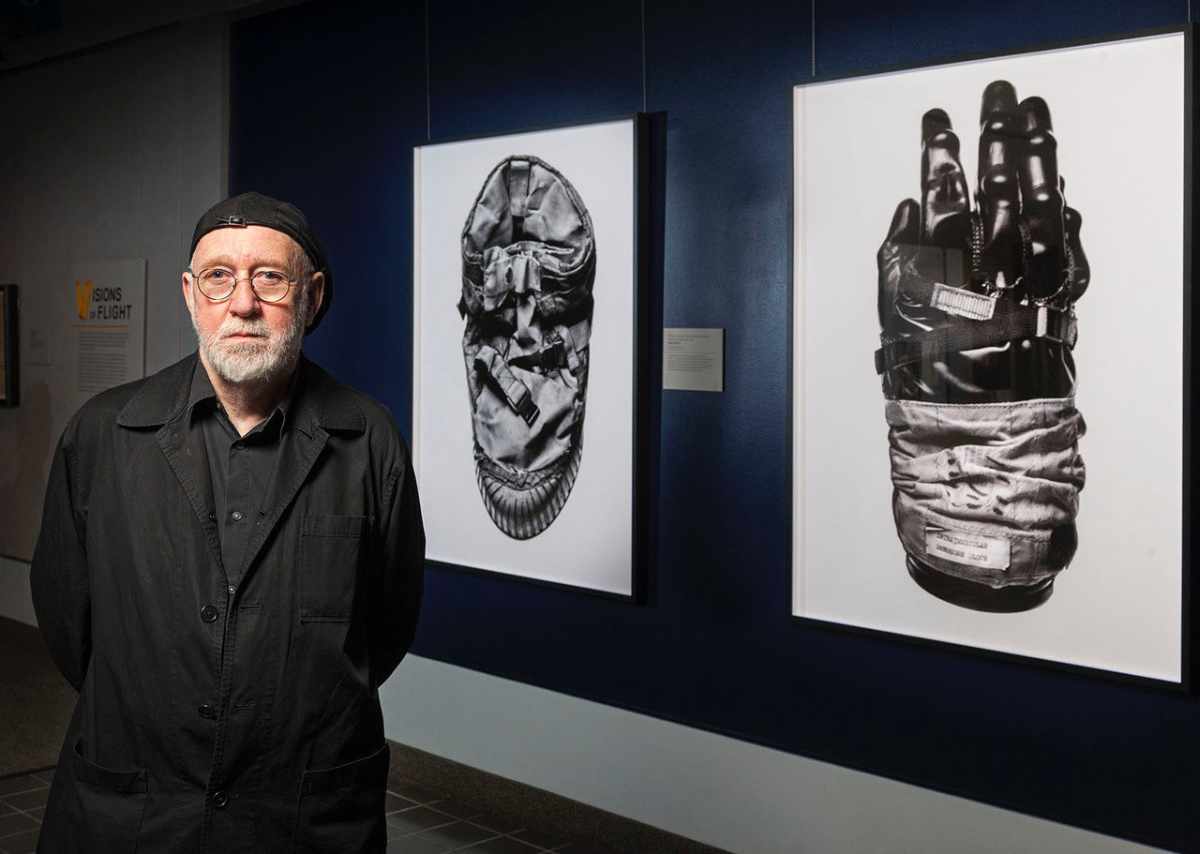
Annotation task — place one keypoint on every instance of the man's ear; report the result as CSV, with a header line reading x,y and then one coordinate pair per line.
x,y
187,291
316,296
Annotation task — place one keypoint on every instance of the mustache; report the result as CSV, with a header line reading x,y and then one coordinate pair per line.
x,y
257,328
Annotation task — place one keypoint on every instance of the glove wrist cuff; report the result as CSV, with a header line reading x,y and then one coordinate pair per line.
x,y
987,493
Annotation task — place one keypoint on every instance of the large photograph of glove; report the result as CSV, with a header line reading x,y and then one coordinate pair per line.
x,y
988,318
525,353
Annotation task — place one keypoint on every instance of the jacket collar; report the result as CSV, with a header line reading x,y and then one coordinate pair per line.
x,y
320,401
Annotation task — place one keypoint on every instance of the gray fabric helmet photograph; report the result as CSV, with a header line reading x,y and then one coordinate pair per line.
x,y
529,264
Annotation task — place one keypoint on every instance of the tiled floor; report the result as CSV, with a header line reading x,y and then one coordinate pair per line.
x,y
420,821
21,802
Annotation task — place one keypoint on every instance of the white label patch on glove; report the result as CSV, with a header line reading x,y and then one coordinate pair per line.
x,y
963,303
969,549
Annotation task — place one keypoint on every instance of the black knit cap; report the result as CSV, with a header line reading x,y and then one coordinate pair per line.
x,y
257,209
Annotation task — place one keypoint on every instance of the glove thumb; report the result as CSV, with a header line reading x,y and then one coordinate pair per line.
x,y
904,230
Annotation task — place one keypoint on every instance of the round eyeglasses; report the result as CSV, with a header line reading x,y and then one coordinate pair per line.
x,y
219,283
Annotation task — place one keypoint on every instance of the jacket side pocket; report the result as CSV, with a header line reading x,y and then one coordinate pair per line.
x,y
341,808
112,802
330,552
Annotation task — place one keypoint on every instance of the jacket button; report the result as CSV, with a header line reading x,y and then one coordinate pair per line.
x,y
219,798
208,613
206,711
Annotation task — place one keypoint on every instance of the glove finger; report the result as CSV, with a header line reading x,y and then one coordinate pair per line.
x,y
906,224
998,197
904,233
1041,201
1078,271
945,199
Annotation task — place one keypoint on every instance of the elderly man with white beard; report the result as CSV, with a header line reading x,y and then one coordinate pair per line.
x,y
230,565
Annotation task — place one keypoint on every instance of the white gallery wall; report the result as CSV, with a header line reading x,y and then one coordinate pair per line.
x,y
114,153
111,153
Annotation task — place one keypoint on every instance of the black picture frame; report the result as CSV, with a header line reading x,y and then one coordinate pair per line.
x,y
645,139
10,349
1186,681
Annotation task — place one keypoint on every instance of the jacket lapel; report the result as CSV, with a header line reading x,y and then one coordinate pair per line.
x,y
186,454
162,402
299,451
320,407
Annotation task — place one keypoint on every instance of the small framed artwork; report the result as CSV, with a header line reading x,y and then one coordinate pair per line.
x,y
529,353
10,381
990,359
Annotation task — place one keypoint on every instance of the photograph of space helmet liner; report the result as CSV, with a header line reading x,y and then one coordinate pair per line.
x,y
529,263
989,298
525,346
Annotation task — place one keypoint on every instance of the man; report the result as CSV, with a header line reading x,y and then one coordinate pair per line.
x,y
229,566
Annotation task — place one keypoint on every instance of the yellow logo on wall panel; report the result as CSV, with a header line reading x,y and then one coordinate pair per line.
x,y
83,297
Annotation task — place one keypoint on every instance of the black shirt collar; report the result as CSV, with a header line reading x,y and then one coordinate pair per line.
x,y
203,395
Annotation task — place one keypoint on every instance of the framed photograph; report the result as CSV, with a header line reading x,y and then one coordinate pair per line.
x,y
10,382
990,354
529,352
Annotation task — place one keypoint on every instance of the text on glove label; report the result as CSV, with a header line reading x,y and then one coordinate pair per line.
x,y
969,549
963,303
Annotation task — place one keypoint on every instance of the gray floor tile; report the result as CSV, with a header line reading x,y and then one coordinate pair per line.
x,y
458,835
499,823
5,809
418,845
24,783
414,792
15,823
417,819
457,809
412,845
47,775
395,802
28,800
37,813
541,838
501,845
22,843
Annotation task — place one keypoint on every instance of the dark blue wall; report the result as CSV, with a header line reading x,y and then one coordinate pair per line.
x,y
328,100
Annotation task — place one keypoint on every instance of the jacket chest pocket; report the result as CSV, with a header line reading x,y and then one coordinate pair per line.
x,y
331,550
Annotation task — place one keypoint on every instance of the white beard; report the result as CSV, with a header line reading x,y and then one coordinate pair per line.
x,y
258,360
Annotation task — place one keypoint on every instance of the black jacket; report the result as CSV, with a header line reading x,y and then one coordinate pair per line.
x,y
225,709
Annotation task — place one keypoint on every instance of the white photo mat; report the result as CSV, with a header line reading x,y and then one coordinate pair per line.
x,y
590,544
1118,606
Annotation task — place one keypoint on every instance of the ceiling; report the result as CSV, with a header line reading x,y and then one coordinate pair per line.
x,y
33,31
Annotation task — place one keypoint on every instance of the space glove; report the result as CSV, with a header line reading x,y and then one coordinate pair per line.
x,y
977,318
